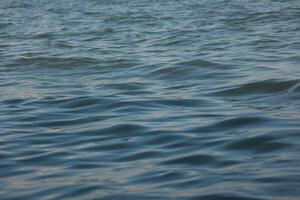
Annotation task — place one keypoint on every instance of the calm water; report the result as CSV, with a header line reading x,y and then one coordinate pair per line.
x,y
150,99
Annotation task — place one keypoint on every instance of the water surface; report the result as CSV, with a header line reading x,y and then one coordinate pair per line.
x,y
149,99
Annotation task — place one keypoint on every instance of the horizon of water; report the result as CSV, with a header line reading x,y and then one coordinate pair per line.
x,y
148,99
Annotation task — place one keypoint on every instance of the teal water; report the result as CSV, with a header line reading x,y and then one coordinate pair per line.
x,y
148,99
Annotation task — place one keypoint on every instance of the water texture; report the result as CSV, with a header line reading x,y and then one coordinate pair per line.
x,y
150,99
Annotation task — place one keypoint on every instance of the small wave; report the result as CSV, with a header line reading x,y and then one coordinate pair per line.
x,y
171,72
18,4
5,24
159,177
142,155
233,123
78,102
119,146
197,159
200,63
225,197
48,158
98,35
79,191
132,86
121,131
178,102
62,62
261,144
45,35
294,92
260,87
163,138
190,70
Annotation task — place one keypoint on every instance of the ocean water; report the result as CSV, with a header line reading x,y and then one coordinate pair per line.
x,y
150,99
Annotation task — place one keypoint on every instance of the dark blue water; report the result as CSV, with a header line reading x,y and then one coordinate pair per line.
x,y
150,99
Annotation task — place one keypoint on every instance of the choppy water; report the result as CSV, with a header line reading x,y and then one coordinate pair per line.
x,y
150,99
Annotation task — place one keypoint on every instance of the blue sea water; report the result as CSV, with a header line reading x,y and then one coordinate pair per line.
x,y
150,99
